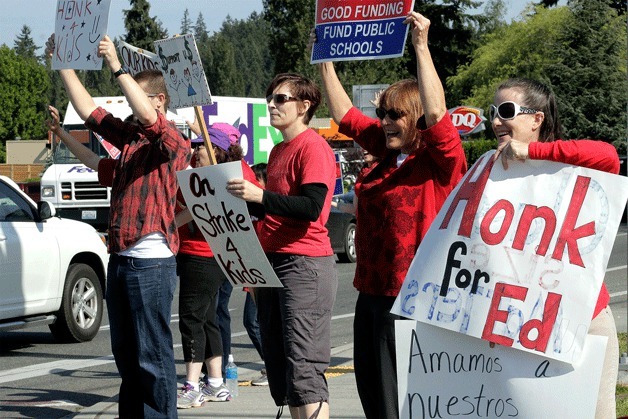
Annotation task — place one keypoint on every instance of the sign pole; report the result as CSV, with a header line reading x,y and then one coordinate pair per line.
x,y
198,111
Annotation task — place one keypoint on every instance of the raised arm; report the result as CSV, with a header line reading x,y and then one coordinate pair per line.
x,y
79,96
139,102
338,100
84,154
430,86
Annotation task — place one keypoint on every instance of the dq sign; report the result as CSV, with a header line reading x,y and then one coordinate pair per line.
x,y
467,120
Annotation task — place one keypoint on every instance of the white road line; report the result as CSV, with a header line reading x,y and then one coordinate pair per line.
x,y
57,367
618,294
617,268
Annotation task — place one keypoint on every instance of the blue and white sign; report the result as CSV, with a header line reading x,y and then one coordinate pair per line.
x,y
360,29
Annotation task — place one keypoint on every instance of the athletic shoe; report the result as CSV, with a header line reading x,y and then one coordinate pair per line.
x,y
187,397
262,380
216,394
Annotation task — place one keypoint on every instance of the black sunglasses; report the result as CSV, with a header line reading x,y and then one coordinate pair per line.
x,y
392,113
280,98
508,110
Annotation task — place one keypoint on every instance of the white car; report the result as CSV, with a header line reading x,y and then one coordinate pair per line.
x,y
52,270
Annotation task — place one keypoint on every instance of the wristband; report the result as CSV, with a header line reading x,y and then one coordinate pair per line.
x,y
123,70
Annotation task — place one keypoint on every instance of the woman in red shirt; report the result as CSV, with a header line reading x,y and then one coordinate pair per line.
x,y
421,160
525,120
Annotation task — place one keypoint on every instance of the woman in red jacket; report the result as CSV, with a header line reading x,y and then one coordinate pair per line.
x,y
525,120
421,161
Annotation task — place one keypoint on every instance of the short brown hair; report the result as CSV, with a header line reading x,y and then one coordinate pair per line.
x,y
155,83
302,88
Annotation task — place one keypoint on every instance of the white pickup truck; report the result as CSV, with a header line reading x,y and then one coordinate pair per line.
x,y
53,270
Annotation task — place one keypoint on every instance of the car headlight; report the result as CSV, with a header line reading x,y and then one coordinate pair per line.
x,y
47,191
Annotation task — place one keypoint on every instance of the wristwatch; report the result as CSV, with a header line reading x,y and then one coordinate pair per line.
x,y
123,70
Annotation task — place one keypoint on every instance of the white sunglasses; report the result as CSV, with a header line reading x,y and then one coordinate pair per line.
x,y
508,110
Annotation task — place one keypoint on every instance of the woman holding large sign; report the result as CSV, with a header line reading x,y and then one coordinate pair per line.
x,y
421,160
525,120
295,320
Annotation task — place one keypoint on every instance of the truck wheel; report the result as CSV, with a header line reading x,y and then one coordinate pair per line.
x,y
79,317
349,245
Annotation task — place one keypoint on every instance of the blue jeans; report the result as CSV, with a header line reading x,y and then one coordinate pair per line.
x,y
139,300
224,320
251,324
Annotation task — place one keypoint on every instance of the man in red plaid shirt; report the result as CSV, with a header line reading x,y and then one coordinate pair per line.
x,y
143,237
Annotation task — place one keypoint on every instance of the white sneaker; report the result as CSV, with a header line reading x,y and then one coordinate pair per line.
x,y
187,397
216,394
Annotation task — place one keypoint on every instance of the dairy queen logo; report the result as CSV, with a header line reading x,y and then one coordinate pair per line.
x,y
467,120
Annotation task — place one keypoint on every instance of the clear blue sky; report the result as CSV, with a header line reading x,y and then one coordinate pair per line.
x,y
39,15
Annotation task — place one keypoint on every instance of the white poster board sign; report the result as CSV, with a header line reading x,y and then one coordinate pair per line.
x,y
226,225
182,68
137,59
442,374
79,27
518,256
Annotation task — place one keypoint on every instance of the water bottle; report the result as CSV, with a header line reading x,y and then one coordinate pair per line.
x,y
232,376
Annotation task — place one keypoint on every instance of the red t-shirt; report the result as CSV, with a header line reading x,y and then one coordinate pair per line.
x,y
585,153
396,205
305,159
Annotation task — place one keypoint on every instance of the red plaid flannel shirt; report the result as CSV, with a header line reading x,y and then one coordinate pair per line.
x,y
144,191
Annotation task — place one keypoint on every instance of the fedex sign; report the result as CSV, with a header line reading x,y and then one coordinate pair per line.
x,y
250,116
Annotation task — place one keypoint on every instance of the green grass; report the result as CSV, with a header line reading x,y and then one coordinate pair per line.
x,y
622,390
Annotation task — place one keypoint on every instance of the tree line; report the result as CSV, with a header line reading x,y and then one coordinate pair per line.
x,y
580,50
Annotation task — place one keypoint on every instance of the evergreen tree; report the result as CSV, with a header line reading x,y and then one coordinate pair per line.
x,y
253,60
290,22
186,23
512,50
23,94
142,30
24,45
200,30
589,77
223,76
453,35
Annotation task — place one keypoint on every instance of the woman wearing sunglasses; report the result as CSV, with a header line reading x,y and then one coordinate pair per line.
x,y
421,160
295,320
525,120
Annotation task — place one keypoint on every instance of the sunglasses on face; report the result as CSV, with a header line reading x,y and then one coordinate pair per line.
x,y
280,98
392,113
508,110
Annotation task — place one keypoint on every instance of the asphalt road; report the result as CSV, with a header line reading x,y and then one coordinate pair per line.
x,y
45,379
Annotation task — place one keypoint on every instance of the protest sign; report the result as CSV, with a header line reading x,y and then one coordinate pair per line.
x,y
183,71
360,29
225,223
137,59
112,150
442,374
79,27
518,256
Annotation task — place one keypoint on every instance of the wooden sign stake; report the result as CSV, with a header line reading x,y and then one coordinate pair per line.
x,y
198,111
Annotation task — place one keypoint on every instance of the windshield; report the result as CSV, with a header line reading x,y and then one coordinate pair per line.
x,y
62,155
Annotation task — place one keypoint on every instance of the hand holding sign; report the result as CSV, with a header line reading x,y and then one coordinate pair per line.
x,y
107,50
79,26
511,150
